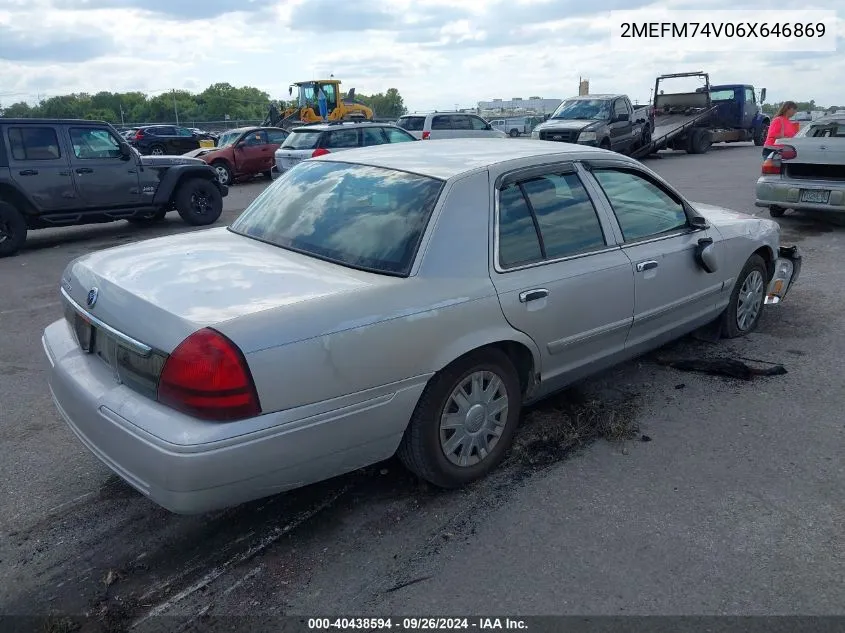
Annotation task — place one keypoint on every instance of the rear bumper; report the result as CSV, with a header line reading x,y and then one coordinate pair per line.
x,y
189,466
773,191
787,271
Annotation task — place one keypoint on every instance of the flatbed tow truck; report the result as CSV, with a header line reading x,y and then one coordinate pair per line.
x,y
693,121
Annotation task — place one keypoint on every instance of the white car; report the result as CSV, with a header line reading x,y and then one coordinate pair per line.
x,y
310,141
442,125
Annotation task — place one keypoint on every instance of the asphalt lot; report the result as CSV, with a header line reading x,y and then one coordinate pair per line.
x,y
733,507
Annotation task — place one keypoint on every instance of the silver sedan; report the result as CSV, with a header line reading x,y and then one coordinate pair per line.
x,y
404,298
807,172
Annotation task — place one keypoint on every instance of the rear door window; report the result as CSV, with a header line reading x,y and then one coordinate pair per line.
x,y
34,143
477,123
441,122
395,135
460,122
342,139
373,136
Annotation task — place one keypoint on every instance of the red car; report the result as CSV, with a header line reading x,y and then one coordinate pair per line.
x,y
243,153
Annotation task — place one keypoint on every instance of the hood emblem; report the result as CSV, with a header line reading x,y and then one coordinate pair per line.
x,y
92,297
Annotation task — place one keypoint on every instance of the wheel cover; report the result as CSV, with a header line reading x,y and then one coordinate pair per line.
x,y
5,231
750,300
157,151
473,418
222,174
201,203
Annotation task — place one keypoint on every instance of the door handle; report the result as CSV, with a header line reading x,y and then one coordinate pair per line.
x,y
28,172
84,170
533,295
646,265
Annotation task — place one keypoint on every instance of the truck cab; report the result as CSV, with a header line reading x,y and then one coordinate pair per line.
x,y
737,108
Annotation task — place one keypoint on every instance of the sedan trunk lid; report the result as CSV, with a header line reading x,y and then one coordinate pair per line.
x,y
160,291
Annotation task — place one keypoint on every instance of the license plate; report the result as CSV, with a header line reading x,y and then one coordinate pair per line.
x,y
206,143
84,333
815,195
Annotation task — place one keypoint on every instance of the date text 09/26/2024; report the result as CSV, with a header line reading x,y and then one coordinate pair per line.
x,y
416,624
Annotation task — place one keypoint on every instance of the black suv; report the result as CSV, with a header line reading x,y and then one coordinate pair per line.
x,y
64,172
159,140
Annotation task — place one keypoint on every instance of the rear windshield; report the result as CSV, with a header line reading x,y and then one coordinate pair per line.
x,y
411,123
360,216
306,139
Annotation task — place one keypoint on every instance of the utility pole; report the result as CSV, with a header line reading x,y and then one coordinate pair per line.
x,y
122,121
175,109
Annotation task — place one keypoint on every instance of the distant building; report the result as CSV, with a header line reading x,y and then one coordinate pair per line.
x,y
517,105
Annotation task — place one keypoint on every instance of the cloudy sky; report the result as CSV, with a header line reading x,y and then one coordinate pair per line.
x,y
438,53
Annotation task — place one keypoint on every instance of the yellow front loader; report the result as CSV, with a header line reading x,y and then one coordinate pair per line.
x,y
307,108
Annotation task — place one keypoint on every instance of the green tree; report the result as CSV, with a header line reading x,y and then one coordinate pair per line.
x,y
389,104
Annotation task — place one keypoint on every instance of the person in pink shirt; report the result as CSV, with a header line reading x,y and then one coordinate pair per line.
x,y
781,127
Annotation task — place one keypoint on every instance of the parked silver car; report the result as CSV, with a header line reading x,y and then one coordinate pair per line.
x,y
404,298
434,126
808,172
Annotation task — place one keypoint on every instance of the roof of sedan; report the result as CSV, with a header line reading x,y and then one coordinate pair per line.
x,y
447,158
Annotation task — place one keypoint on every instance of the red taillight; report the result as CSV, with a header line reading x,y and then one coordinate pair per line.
x,y
426,136
771,167
139,135
787,152
207,376
319,152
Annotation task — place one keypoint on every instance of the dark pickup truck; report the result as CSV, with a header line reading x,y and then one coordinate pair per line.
x,y
608,121
65,172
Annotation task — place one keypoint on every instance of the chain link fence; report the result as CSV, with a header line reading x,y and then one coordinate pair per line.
x,y
207,126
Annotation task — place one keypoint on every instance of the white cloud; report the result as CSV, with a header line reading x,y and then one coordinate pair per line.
x,y
437,53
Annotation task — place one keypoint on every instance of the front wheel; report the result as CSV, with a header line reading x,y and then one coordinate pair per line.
x,y
464,421
224,174
199,202
514,133
12,230
745,308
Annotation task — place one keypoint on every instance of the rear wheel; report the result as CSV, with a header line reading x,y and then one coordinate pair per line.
x,y
157,150
199,202
760,134
464,421
747,299
776,212
699,141
514,133
12,230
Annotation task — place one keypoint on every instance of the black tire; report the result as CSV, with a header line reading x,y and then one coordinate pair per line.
x,y
514,133
753,273
224,172
12,230
157,150
421,450
776,212
199,202
605,144
760,134
699,141
268,174
153,218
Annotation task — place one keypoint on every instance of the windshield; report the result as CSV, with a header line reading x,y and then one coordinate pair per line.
x,y
228,138
302,140
581,109
360,216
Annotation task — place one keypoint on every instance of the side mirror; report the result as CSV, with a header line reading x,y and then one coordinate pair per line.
x,y
620,118
125,152
762,95
699,222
